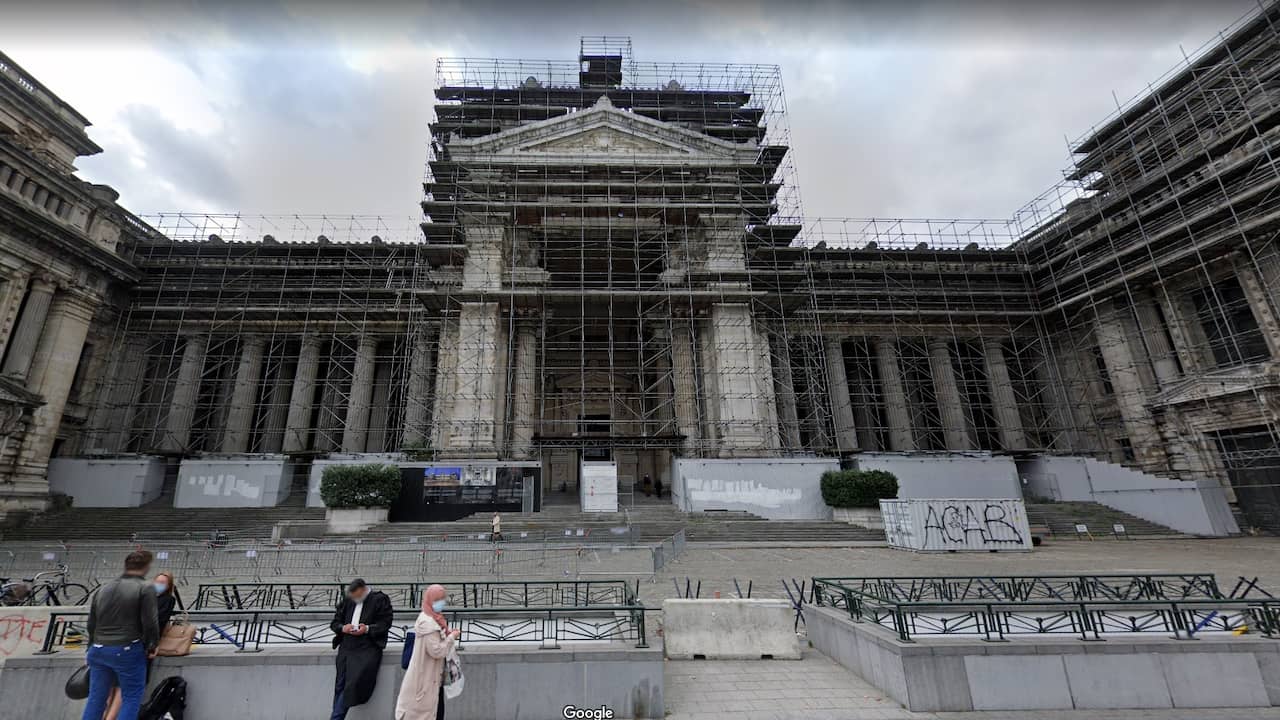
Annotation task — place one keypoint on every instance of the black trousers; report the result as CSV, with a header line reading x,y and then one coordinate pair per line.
x,y
440,705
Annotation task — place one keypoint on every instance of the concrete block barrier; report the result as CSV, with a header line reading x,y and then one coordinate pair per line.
x,y
730,629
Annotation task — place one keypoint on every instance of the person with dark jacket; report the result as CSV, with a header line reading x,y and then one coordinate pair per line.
x,y
167,602
123,634
360,628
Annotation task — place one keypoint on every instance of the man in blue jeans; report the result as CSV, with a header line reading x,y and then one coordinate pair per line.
x,y
124,630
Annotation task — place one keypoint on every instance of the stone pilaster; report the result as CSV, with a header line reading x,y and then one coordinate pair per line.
x,y
302,397
355,431
416,403
897,414
955,427
52,369
1164,361
244,396
471,426
734,368
785,391
525,392
1127,383
846,430
446,365
767,400
26,336
1004,402
186,392
1189,342
684,383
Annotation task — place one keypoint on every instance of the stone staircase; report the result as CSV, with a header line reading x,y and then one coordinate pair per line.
x,y
1062,517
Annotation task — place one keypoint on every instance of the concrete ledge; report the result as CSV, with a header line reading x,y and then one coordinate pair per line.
x,y
296,683
729,629
960,674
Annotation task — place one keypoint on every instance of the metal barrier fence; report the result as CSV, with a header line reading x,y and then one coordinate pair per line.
x,y
251,630
1036,587
406,559
483,594
1090,618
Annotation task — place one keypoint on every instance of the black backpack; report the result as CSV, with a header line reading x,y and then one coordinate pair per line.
x,y
170,696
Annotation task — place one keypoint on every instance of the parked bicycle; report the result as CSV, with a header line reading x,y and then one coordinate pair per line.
x,y
51,587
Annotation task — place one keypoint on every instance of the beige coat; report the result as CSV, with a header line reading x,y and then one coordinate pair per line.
x,y
420,691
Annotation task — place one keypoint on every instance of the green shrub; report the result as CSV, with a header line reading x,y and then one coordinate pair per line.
x,y
357,486
858,488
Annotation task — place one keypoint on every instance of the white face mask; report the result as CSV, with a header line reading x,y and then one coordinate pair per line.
x,y
160,588
439,605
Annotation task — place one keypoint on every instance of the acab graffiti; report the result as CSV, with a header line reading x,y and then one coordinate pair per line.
x,y
970,524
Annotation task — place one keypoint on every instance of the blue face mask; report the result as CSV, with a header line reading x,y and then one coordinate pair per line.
x,y
161,588
439,605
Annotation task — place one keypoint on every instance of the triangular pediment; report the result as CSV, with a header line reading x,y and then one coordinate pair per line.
x,y
601,131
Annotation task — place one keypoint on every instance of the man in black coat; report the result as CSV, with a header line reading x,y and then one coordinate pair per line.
x,y
360,627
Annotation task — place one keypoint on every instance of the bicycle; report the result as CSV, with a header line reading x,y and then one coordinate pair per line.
x,y
50,587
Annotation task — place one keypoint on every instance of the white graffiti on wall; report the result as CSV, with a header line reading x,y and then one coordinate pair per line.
x,y
225,485
956,524
717,491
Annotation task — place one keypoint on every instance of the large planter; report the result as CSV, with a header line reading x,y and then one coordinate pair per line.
x,y
869,518
344,521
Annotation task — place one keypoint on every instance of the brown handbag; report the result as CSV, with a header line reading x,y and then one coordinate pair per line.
x,y
176,639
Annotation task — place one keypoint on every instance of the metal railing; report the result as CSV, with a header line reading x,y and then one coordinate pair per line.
x,y
480,594
252,630
1035,587
407,558
1099,605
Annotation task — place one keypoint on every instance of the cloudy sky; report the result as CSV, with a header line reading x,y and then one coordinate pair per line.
x,y
897,109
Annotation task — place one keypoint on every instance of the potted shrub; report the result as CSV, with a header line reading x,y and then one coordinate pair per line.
x,y
855,495
356,497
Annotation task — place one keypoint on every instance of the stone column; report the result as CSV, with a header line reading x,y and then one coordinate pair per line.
x,y
186,392
276,412
244,396
355,431
709,390
379,410
525,400
768,401
14,289
1164,362
785,391
113,415
1188,337
472,428
22,344
684,383
955,427
302,397
841,405
1004,403
416,418
1259,304
897,414
51,372
1130,399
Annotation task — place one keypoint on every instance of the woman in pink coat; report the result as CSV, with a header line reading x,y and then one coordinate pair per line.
x,y
421,693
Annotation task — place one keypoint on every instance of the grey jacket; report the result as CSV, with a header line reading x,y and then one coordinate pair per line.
x,y
124,610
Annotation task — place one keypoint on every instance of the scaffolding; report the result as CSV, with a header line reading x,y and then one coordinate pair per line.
x,y
613,262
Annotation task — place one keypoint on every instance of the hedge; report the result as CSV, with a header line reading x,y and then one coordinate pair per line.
x,y
357,486
858,488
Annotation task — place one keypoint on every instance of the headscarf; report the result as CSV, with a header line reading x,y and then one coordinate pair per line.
x,y
434,593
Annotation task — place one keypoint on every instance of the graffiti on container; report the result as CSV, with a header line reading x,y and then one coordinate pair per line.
x,y
225,485
954,524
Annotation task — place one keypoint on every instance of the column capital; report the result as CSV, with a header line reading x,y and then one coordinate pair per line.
x,y
935,343
43,282
311,340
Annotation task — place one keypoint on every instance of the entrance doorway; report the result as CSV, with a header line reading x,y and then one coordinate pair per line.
x,y
1252,458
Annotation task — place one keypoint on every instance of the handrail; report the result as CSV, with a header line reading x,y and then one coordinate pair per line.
x,y
472,594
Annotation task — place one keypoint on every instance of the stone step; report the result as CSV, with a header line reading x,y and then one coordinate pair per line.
x,y
1062,517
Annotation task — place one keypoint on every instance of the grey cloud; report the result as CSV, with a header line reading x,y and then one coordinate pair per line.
x,y
193,162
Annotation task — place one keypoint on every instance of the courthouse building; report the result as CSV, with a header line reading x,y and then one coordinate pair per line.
x,y
612,265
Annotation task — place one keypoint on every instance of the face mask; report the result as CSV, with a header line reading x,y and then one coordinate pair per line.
x,y
438,605
160,588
